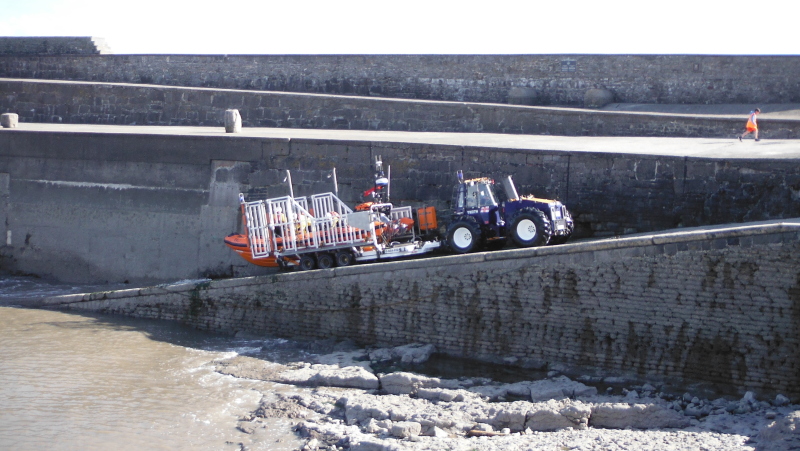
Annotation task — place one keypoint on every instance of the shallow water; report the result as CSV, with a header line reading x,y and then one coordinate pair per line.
x,y
71,381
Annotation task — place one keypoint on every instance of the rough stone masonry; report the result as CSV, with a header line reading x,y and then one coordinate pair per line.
x,y
719,306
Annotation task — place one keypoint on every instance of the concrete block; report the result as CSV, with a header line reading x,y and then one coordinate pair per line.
x,y
9,120
233,121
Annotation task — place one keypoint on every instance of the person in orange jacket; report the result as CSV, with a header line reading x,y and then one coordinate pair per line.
x,y
752,125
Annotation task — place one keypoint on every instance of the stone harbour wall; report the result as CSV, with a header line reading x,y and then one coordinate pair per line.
x,y
128,104
715,305
99,207
527,79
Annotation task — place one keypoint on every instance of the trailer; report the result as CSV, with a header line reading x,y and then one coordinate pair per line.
x,y
321,231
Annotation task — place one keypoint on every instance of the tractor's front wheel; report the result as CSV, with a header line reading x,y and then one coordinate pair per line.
x,y
529,227
463,236
561,239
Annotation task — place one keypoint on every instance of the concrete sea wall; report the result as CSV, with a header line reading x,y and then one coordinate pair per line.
x,y
715,305
145,207
130,104
529,79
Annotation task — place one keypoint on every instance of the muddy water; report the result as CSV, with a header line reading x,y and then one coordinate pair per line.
x,y
70,381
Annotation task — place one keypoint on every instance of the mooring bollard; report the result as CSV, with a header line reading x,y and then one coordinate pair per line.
x,y
233,121
9,120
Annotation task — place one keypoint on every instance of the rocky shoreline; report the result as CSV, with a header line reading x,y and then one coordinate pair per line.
x,y
342,404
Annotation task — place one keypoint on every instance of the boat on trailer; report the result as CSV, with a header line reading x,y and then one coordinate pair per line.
x,y
321,231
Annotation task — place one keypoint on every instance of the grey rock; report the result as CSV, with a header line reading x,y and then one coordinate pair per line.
x,y
637,416
330,376
546,418
414,353
402,383
559,387
511,415
405,429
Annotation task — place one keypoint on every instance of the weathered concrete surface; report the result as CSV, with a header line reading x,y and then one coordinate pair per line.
x,y
690,147
711,304
100,204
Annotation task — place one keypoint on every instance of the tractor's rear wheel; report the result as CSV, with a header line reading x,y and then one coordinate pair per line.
x,y
307,262
324,261
463,236
529,227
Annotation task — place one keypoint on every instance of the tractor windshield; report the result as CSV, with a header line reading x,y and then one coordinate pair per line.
x,y
480,195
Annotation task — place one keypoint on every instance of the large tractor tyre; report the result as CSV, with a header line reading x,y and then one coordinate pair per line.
x,y
344,258
325,261
529,227
463,235
307,262
561,239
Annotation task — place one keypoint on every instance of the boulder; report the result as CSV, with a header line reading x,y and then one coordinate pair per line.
x,y
555,415
330,376
444,394
559,387
597,98
405,429
511,415
490,392
350,377
414,353
402,383
545,419
637,416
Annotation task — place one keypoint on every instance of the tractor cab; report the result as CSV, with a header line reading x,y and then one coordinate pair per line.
x,y
479,199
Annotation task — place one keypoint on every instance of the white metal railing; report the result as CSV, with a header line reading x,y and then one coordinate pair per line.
x,y
257,229
287,225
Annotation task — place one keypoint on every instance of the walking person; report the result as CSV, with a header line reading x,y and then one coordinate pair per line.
x,y
752,125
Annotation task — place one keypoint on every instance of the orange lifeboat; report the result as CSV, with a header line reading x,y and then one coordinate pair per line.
x,y
241,245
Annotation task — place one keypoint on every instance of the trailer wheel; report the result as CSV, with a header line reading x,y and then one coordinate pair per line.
x,y
529,227
463,236
344,258
307,262
324,261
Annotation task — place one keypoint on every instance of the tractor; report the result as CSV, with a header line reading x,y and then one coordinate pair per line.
x,y
485,217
